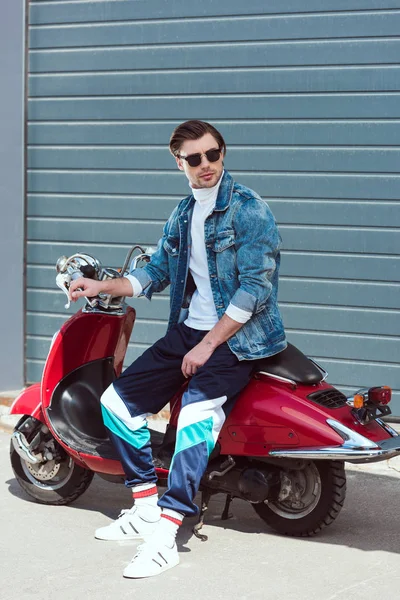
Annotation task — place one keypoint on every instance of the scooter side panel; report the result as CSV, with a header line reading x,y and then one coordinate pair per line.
x,y
270,415
282,417
29,403
372,430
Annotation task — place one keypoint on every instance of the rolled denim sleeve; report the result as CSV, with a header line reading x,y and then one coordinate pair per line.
x,y
257,243
137,287
155,276
238,314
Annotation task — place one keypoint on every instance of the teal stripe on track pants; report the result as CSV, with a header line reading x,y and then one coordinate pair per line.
x,y
146,387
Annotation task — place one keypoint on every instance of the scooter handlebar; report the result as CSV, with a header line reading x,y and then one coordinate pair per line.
x,y
85,265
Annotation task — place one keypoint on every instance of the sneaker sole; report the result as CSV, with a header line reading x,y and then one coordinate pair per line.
x,y
127,575
121,539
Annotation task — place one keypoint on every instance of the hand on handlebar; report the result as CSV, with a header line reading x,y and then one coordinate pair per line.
x,y
83,287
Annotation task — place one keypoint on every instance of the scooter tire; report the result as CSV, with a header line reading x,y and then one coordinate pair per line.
x,y
331,498
76,483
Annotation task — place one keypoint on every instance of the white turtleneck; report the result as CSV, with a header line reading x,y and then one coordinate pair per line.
x,y
202,312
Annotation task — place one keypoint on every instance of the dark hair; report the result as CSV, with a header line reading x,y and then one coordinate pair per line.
x,y
193,130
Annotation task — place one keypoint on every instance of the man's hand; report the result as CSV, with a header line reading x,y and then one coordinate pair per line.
x,y
88,288
120,286
199,355
196,358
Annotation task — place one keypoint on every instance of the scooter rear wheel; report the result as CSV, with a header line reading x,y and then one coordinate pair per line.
x,y
57,482
310,499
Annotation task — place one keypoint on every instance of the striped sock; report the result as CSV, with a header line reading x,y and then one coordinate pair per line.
x,y
145,491
172,516
168,527
145,498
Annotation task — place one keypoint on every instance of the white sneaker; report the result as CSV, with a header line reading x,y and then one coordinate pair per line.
x,y
152,559
130,525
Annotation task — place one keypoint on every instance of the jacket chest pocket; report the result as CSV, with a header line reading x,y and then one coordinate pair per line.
x,y
171,246
225,255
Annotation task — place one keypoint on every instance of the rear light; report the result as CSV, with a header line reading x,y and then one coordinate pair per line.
x,y
369,405
358,401
380,395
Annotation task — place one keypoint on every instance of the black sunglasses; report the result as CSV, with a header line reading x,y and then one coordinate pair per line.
x,y
194,160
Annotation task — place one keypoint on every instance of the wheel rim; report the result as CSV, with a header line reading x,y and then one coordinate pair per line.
x,y
50,475
302,493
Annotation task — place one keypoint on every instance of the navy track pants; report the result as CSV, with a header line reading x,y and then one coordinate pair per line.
x,y
145,388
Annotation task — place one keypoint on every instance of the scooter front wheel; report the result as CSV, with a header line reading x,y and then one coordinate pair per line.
x,y
58,481
310,499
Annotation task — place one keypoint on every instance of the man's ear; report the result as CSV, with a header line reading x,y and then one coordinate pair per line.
x,y
179,163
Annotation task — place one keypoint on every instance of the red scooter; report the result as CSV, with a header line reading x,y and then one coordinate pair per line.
x,y
282,447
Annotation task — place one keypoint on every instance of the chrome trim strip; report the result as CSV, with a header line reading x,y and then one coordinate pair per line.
x,y
387,427
355,448
324,373
88,310
278,377
351,438
337,453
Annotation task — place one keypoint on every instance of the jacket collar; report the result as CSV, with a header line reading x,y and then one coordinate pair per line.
x,y
224,192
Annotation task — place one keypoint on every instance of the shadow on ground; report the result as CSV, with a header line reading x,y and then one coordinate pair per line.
x,y
368,520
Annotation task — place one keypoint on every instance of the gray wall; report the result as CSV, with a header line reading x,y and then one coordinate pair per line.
x,y
307,95
12,31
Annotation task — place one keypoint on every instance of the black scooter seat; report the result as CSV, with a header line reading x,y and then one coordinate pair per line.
x,y
291,364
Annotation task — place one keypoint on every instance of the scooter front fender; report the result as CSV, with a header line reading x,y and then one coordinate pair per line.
x,y
29,402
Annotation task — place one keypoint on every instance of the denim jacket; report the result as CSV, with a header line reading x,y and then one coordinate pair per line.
x,y
242,245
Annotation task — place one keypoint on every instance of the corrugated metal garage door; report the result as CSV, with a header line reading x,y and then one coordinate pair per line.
x,y
309,104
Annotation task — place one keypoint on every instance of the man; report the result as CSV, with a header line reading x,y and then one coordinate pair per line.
x,y
221,244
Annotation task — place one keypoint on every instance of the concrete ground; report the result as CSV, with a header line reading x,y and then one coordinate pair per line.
x,y
50,552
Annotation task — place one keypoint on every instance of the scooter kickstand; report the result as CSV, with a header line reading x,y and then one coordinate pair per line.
x,y
225,514
205,499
